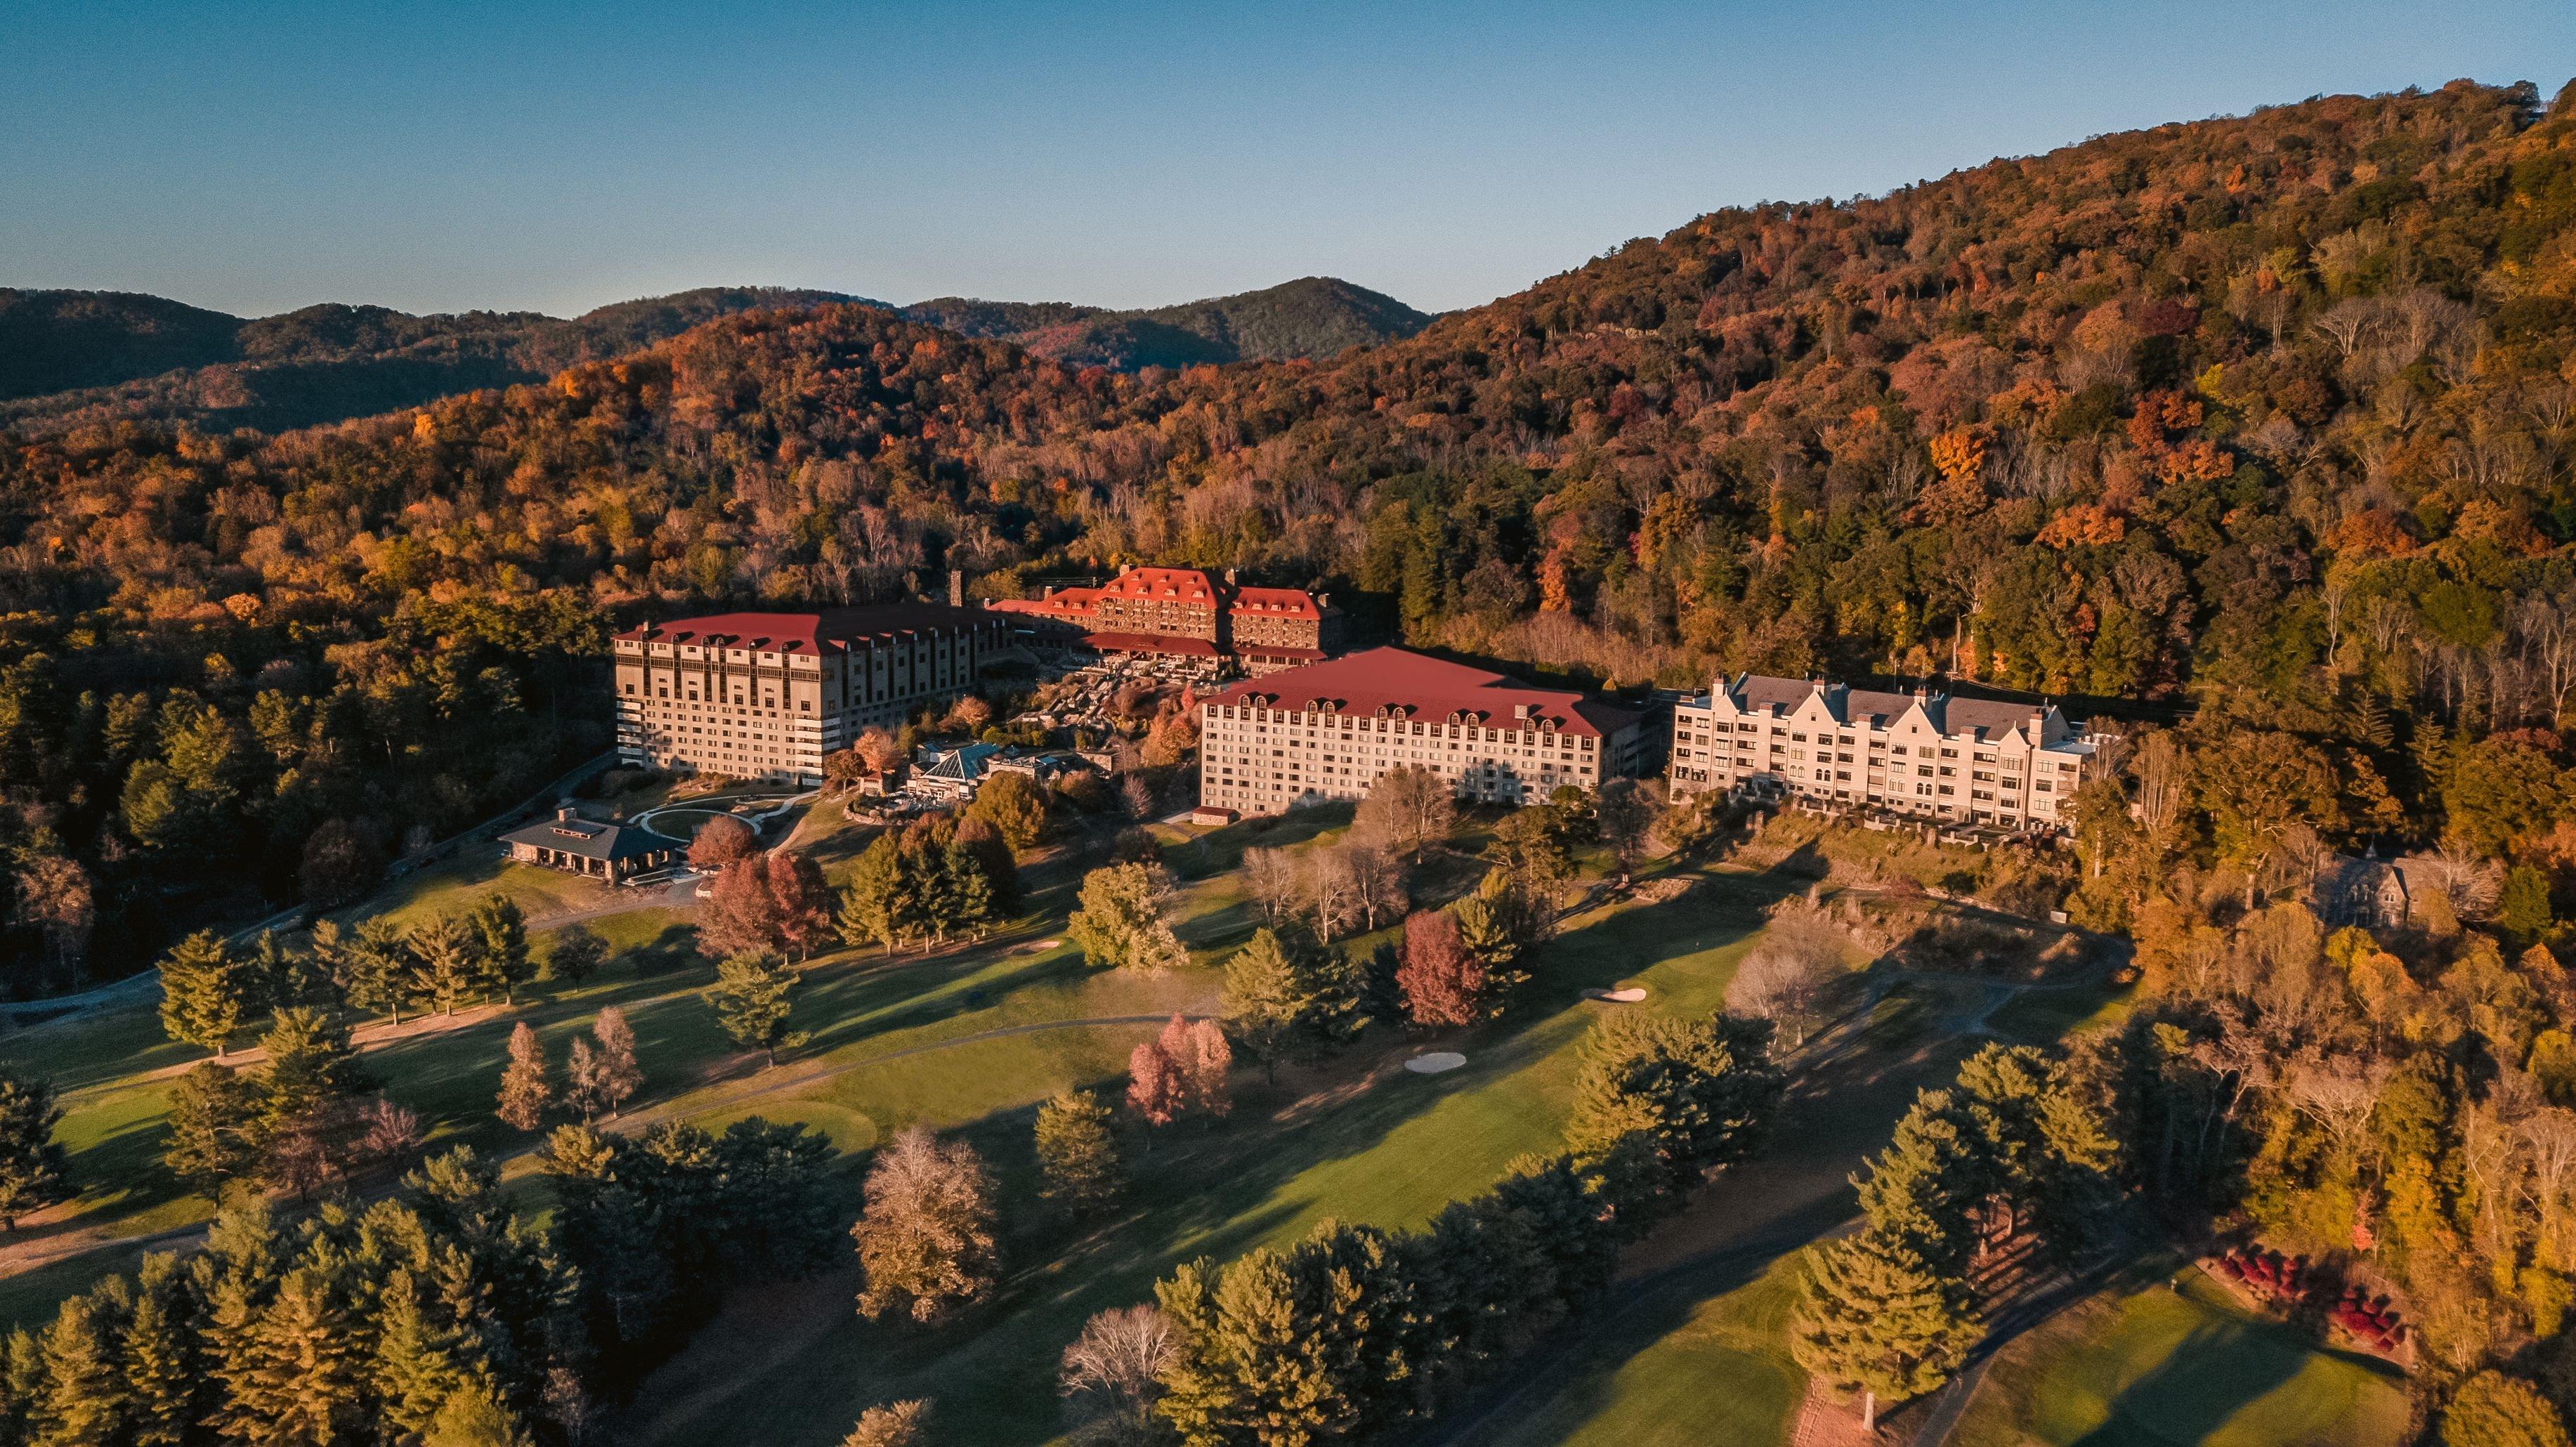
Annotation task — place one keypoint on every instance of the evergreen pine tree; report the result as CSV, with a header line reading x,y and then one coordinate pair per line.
x,y
294,1373
417,1364
501,946
206,992
1879,1321
446,960
165,1371
476,1416
311,1065
213,1116
1077,1155
22,1383
524,1090
750,1000
32,1162
577,953
378,970
84,1400
1288,996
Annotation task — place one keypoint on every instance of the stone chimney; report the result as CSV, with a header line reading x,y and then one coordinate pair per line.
x,y
957,587
565,813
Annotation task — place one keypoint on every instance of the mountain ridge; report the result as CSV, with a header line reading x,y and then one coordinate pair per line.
x,y
73,357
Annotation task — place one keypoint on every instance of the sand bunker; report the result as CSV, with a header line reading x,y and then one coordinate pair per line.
x,y
1435,1062
1628,996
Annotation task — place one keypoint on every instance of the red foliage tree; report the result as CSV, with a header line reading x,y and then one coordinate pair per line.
x,y
1155,1089
722,841
1442,980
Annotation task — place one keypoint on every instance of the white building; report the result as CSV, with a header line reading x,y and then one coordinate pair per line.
x,y
1328,730
1962,760
767,695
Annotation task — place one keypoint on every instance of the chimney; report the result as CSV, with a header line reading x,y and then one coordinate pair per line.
x,y
957,587
565,813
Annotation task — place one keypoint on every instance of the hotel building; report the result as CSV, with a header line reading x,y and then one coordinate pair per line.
x,y
2013,766
1327,730
766,695
1187,612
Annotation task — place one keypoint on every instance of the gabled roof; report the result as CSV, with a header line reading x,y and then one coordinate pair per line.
x,y
590,838
829,630
1980,718
1420,687
1276,603
1162,585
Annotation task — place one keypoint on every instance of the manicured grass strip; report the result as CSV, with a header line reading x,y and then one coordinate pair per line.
x,y
1673,1372
2167,1367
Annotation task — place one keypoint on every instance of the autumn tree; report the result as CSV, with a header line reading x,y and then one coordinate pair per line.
x,y
1156,1089
893,1424
524,1088
1112,1371
720,842
1124,919
1443,982
926,1237
1624,814
1014,805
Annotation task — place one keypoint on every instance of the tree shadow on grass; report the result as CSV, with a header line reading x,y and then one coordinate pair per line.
x,y
2212,1374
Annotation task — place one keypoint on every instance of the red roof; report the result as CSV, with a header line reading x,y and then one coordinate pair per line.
x,y
1276,603
1430,689
1186,585
1169,585
827,631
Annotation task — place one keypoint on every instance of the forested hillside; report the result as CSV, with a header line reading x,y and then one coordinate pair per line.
x,y
1312,318
74,357
2272,412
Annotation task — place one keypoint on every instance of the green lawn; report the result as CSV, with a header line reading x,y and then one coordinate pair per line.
x,y
1367,1143
1673,1371
456,885
2162,1367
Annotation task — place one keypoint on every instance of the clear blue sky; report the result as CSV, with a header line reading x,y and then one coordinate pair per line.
x,y
258,157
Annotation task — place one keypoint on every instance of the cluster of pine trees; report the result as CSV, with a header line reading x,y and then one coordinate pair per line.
x,y
656,1227
2019,1147
1356,1331
429,1313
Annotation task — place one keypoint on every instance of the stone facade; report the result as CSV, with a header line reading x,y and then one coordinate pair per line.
x,y
1189,611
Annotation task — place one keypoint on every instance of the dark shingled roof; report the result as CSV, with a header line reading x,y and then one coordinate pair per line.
x,y
589,838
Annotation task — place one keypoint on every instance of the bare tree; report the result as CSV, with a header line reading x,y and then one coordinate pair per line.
x,y
1271,877
1111,1375
1408,809
1788,978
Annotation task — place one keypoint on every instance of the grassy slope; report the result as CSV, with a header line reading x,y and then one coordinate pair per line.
x,y
1391,1151
2161,1367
